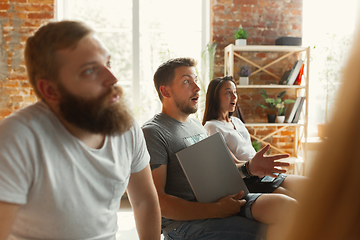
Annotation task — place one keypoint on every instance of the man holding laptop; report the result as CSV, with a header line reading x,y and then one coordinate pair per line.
x,y
171,131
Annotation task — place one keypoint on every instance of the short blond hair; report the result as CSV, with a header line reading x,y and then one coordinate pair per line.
x,y
40,50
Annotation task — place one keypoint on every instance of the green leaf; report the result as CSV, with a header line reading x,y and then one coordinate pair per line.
x,y
240,33
256,145
263,106
264,93
270,100
287,101
281,95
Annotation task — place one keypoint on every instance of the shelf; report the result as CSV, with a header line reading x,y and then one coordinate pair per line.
x,y
267,48
299,129
272,86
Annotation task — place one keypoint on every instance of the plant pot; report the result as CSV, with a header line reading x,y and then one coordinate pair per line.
x,y
321,130
240,42
271,118
280,119
244,81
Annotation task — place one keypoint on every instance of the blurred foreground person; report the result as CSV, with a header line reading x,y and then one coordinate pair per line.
x,y
330,201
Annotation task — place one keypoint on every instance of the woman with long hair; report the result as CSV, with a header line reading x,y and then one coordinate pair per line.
x,y
221,100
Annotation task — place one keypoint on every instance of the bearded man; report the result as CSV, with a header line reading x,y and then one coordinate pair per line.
x,y
66,160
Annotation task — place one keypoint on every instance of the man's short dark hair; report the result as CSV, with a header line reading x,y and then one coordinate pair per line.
x,y
165,74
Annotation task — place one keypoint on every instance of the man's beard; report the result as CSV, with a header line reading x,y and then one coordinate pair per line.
x,y
185,107
94,115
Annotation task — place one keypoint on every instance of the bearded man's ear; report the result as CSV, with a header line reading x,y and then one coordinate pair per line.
x,y
48,90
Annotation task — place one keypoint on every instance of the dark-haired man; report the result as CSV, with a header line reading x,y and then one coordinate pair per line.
x,y
172,130
66,161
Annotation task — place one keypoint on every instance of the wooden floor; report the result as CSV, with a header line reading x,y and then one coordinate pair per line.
x,y
126,222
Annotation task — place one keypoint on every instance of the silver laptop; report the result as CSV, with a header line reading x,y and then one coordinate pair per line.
x,y
210,169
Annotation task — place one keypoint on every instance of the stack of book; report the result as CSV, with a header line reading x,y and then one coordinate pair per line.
x,y
294,75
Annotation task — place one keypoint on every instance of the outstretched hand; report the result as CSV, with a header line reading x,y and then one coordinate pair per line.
x,y
261,165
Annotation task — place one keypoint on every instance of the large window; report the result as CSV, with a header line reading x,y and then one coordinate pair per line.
x,y
141,34
329,29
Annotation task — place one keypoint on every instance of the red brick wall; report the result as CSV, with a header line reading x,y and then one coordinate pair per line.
x,y
18,19
265,21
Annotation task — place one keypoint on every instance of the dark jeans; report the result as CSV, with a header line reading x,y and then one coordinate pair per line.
x,y
230,228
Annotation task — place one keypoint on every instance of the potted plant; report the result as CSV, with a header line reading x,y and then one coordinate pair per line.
x,y
281,108
240,36
244,75
275,105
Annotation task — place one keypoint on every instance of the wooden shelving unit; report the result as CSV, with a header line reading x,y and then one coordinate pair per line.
x,y
300,142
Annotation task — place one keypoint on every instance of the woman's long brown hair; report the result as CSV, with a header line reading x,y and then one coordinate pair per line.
x,y
212,103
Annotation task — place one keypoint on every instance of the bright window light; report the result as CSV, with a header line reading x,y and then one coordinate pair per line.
x,y
328,28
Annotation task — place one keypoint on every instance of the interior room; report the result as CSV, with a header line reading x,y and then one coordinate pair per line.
x,y
141,34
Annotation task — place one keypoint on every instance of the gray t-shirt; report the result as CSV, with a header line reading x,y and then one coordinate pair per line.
x,y
164,137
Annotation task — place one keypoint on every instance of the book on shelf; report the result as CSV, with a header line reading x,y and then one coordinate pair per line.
x,y
299,76
294,72
284,77
298,110
291,110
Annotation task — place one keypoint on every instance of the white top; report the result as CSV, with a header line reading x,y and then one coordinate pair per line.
x,y
66,190
238,140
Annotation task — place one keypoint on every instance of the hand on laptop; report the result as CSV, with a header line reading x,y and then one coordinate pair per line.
x,y
261,165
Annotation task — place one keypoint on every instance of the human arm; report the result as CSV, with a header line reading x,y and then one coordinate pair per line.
x,y
261,165
145,204
237,161
239,144
176,208
8,213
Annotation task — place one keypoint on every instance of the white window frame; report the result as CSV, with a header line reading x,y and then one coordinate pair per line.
x,y
61,13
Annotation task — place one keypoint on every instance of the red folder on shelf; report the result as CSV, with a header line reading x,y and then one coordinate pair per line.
x,y
299,76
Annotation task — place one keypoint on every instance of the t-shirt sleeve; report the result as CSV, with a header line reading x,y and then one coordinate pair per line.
x,y
212,128
156,145
16,169
141,156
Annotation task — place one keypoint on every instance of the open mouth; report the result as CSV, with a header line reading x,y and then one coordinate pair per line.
x,y
234,104
114,94
196,98
115,98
